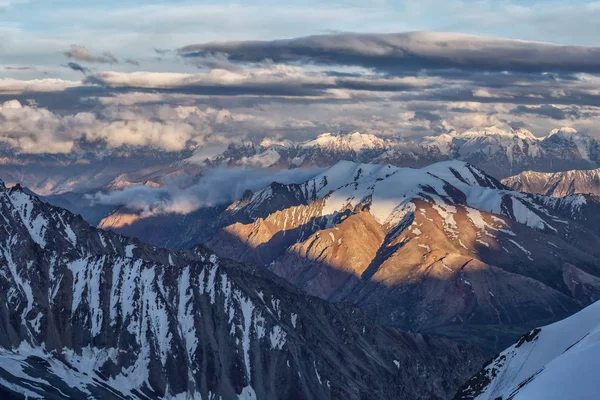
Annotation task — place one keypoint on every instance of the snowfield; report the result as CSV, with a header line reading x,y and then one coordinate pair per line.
x,y
556,362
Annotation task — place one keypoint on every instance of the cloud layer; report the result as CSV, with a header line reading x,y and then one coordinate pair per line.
x,y
414,50
30,129
216,186
411,84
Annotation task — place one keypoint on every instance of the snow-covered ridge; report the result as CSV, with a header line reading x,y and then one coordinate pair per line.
x,y
391,191
558,361
448,239
506,150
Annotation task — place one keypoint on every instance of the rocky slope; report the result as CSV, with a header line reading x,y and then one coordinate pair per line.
x,y
443,249
558,184
558,361
90,314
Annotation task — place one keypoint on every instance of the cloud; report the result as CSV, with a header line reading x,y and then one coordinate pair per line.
x,y
33,130
13,86
216,186
426,116
413,50
292,76
214,61
273,80
80,53
19,68
298,97
131,61
488,94
78,67
29,129
547,110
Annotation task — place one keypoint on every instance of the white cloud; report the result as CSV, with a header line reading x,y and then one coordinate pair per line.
x,y
276,74
486,94
15,86
37,130
216,186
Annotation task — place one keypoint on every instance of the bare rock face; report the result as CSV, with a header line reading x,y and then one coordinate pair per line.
x,y
86,313
558,184
444,249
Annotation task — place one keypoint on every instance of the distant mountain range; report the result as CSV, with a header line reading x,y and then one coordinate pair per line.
x,y
498,151
86,313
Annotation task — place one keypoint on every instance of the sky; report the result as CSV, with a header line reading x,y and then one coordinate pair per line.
x,y
168,74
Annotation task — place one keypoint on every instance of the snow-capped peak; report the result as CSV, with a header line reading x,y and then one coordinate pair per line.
x,y
566,132
91,314
583,141
269,142
342,142
499,131
523,133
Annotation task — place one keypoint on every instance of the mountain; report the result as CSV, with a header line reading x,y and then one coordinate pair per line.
x,y
557,361
445,249
90,169
86,313
558,184
500,151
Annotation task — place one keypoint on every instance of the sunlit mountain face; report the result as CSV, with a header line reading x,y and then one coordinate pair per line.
x,y
267,200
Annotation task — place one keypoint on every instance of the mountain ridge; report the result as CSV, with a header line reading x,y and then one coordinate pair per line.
x,y
557,184
378,234
86,313
499,150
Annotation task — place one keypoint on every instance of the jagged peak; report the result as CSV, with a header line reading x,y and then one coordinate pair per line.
x,y
525,134
17,187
